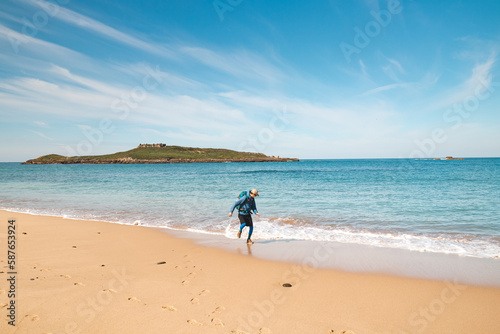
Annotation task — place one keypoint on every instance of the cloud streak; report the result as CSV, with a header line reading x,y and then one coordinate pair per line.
x,y
83,22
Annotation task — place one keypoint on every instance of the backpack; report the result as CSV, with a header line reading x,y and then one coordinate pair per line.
x,y
243,193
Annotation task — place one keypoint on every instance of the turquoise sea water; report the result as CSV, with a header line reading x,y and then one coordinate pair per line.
x,y
420,205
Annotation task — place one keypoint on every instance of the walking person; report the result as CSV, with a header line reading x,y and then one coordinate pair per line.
x,y
246,205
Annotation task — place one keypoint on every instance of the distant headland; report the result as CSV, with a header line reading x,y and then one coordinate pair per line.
x,y
161,153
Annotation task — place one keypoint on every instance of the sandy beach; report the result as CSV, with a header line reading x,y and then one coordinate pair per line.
x,y
75,276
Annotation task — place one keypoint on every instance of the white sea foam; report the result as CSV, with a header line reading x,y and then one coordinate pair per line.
x,y
294,229
285,228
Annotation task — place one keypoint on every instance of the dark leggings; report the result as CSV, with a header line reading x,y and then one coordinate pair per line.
x,y
246,220
249,232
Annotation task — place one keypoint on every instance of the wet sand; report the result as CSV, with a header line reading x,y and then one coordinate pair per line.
x,y
361,258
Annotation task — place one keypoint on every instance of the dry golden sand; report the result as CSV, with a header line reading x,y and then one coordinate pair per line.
x,y
95,277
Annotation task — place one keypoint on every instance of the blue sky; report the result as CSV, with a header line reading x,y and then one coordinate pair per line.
x,y
319,79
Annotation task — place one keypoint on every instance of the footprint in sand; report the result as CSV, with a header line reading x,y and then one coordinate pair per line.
x,y
45,270
136,300
65,276
195,301
238,331
194,322
79,284
265,330
3,305
217,322
185,282
219,309
33,317
110,290
204,292
169,308
190,275
347,332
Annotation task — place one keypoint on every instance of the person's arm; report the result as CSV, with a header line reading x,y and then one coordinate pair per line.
x,y
254,207
238,202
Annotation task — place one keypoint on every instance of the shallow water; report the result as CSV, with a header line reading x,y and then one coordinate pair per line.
x,y
450,207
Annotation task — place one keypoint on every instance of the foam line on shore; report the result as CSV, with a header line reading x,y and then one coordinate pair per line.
x,y
278,228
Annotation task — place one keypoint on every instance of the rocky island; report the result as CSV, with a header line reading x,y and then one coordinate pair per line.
x,y
449,158
160,153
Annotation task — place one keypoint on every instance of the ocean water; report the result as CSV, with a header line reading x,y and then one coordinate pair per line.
x,y
450,207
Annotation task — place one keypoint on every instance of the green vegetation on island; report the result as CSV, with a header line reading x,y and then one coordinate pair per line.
x,y
160,153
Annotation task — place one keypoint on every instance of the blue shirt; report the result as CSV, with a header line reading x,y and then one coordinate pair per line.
x,y
246,205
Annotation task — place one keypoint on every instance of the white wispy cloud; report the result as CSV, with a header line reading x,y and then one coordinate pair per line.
x,y
475,86
44,136
385,88
41,124
84,127
30,96
363,69
242,64
14,41
160,73
11,18
86,23
481,76
392,72
397,65
238,63
74,101
330,121
425,83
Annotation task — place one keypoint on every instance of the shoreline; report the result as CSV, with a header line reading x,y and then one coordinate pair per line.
x,y
362,259
79,276
348,257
